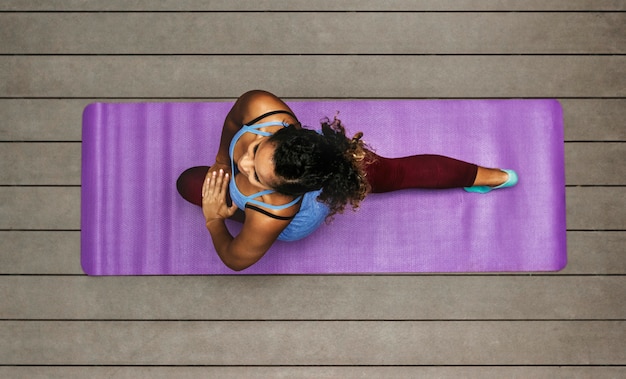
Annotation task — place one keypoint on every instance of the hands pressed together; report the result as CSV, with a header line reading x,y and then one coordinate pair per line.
x,y
214,195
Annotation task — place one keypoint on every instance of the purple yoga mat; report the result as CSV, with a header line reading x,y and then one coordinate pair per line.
x,y
135,223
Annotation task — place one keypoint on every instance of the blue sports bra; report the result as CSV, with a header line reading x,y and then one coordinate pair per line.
x,y
312,213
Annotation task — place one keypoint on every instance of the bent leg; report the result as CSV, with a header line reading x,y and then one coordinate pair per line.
x,y
189,184
418,171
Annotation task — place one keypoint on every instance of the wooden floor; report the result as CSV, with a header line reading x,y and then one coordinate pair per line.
x,y
58,56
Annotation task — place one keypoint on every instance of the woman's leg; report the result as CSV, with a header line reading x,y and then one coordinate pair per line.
x,y
189,184
428,171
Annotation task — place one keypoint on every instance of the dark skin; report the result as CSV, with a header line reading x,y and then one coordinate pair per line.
x,y
253,156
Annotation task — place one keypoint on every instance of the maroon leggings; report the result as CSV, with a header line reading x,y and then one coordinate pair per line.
x,y
189,184
418,171
383,175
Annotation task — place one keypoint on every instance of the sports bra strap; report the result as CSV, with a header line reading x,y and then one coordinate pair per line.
x,y
255,128
260,193
264,115
250,199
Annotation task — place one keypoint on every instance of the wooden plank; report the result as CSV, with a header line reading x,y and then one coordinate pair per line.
x,y
47,208
41,119
595,253
594,120
596,208
325,76
595,163
398,298
58,208
61,120
313,33
43,252
40,163
313,343
320,372
40,252
314,5
60,163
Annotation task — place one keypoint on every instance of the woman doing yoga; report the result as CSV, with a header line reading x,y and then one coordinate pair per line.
x,y
284,181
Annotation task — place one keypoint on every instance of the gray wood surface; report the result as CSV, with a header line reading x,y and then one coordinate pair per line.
x,y
315,5
319,372
58,56
312,33
434,297
326,76
313,342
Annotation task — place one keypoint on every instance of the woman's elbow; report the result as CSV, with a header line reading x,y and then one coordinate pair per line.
x,y
239,264
239,256
237,267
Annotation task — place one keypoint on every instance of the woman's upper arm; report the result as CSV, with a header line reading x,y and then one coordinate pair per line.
x,y
258,234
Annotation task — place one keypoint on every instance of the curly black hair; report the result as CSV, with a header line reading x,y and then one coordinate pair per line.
x,y
306,160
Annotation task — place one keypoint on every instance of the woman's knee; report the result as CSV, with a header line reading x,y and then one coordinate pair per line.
x,y
189,184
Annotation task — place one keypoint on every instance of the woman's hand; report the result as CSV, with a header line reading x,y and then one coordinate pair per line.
x,y
217,166
214,192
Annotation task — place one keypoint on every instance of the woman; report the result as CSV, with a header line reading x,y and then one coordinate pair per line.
x,y
284,181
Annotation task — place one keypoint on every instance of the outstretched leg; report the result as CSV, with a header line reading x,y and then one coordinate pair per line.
x,y
428,171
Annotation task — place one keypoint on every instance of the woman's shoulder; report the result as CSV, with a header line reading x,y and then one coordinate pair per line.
x,y
253,104
259,97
